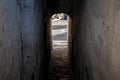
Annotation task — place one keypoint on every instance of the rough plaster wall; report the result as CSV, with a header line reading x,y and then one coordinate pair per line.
x,y
21,40
32,35
10,43
96,47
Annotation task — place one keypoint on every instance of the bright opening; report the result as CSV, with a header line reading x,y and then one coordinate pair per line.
x,y
59,29
60,65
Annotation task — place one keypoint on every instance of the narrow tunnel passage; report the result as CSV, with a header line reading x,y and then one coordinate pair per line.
x,y
60,65
95,50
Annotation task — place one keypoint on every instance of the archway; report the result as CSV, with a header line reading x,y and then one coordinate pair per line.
x,y
59,34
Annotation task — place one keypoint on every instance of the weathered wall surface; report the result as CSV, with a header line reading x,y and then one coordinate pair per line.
x,y
10,41
21,40
96,39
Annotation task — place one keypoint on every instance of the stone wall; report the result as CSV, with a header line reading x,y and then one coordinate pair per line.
x,y
96,39
22,44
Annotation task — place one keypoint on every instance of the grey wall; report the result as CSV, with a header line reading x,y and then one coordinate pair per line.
x,y
10,41
22,45
96,39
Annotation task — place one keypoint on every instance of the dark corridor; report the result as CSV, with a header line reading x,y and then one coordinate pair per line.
x,y
94,41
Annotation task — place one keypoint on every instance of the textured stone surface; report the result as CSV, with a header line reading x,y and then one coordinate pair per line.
x,y
10,41
96,40
21,40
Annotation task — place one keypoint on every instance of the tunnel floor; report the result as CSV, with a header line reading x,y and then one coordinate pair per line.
x,y
60,68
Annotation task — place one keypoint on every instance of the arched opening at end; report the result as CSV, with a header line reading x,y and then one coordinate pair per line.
x,y
60,44
59,30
